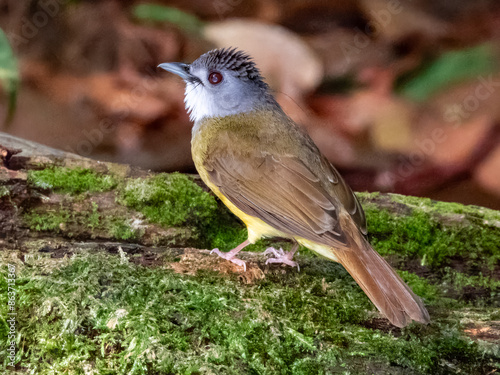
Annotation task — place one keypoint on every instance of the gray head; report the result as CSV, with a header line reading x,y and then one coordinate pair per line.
x,y
222,82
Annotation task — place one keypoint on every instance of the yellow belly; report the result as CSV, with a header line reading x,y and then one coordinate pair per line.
x,y
256,227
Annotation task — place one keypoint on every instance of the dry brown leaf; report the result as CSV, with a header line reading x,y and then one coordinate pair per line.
x,y
391,130
488,173
395,19
456,144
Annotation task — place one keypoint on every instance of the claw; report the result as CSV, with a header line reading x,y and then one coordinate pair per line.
x,y
231,255
282,257
276,253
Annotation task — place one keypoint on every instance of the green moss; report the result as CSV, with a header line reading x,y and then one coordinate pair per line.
x,y
122,230
477,289
58,219
169,199
226,237
41,221
422,287
4,191
417,235
175,200
73,181
477,214
430,206
105,314
225,231
93,217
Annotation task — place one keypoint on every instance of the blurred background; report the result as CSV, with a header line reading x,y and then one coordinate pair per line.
x,y
402,96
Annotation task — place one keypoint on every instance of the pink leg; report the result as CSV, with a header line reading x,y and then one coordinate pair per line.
x,y
282,257
230,255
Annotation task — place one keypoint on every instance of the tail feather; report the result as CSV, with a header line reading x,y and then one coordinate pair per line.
x,y
381,283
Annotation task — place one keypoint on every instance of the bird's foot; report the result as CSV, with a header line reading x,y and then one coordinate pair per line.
x,y
282,257
231,257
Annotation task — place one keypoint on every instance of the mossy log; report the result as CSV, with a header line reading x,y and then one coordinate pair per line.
x,y
60,211
52,195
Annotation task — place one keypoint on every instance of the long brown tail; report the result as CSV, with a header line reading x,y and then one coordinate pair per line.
x,y
379,281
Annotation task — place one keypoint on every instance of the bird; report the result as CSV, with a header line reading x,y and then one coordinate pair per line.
x,y
269,172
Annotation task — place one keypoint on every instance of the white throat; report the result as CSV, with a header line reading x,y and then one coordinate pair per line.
x,y
201,103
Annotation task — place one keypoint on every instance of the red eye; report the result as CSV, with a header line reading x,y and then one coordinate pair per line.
x,y
215,78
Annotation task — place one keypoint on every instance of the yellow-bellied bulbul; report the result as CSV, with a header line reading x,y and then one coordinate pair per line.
x,y
270,174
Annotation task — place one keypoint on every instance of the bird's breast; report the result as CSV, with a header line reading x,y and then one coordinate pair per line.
x,y
211,134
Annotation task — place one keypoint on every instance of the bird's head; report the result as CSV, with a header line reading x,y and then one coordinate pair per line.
x,y
222,82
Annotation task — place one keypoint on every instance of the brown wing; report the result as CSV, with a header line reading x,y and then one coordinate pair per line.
x,y
343,192
284,193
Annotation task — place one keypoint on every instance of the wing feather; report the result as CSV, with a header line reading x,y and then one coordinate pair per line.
x,y
281,191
